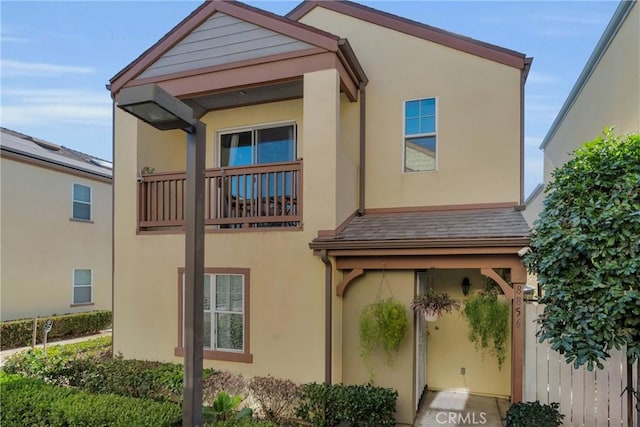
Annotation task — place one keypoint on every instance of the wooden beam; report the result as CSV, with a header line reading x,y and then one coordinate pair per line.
x,y
342,286
517,342
506,288
413,262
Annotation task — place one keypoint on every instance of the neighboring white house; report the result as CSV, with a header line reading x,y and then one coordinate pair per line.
x,y
55,229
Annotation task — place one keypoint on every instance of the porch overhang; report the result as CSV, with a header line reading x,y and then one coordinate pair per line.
x,y
221,74
487,238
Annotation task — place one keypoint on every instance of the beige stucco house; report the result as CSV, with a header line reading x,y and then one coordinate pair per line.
x,y
56,229
607,93
345,148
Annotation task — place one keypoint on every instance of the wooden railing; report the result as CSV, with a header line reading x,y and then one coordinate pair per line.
x,y
235,197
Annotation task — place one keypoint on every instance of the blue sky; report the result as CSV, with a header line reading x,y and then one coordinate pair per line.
x,y
58,56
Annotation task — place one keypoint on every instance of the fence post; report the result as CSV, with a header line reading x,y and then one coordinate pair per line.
x,y
35,333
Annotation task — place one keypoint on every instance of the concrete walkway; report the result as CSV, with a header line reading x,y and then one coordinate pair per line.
x,y
449,408
6,353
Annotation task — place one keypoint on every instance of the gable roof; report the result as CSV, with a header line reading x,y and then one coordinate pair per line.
x,y
450,228
307,35
618,19
24,147
414,28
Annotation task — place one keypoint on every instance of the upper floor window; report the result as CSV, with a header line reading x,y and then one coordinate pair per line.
x,y
81,202
420,135
258,145
82,286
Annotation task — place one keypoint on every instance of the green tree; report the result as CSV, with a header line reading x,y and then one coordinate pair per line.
x,y
586,253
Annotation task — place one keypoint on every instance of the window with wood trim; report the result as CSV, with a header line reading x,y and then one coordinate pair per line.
x,y
226,314
81,208
420,136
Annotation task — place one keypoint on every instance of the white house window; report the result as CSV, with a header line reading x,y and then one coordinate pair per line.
x,y
226,315
81,202
420,135
258,145
224,312
82,286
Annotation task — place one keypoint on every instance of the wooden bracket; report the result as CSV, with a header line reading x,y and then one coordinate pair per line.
x,y
342,286
491,273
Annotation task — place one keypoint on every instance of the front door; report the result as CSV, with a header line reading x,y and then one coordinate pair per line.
x,y
421,341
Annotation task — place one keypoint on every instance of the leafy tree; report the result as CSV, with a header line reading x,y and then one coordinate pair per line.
x,y
586,252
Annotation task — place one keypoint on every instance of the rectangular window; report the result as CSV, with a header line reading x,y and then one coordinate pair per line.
x,y
81,202
226,305
82,286
420,135
258,145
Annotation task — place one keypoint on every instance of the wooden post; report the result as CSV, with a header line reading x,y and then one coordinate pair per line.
x,y
517,342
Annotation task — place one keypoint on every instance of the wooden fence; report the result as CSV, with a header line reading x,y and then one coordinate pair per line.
x,y
589,399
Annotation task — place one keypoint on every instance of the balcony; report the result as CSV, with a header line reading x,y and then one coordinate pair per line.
x,y
256,196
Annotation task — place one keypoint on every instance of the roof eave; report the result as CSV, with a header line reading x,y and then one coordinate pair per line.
x,y
456,41
515,242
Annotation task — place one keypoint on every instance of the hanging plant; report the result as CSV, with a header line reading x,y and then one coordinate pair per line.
x,y
488,318
432,304
383,326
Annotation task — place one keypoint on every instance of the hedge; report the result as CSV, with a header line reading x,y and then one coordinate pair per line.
x,y
18,333
326,405
27,401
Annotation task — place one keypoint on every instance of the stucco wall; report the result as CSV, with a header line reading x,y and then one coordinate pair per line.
x,y
41,245
449,349
286,279
398,375
448,346
478,117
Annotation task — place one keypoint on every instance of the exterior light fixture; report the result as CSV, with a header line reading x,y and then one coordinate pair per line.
x,y
151,104
529,293
465,286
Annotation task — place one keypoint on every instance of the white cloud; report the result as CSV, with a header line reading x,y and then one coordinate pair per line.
x,y
11,39
25,106
543,78
12,68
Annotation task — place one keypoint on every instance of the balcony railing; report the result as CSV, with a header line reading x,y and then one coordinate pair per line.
x,y
235,197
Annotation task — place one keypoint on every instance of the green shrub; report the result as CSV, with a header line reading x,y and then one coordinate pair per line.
x,y
534,414
89,366
242,422
18,333
27,401
63,364
327,405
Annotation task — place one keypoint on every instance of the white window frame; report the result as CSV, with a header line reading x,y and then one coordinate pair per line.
x,y
253,129
73,201
74,286
405,136
215,353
